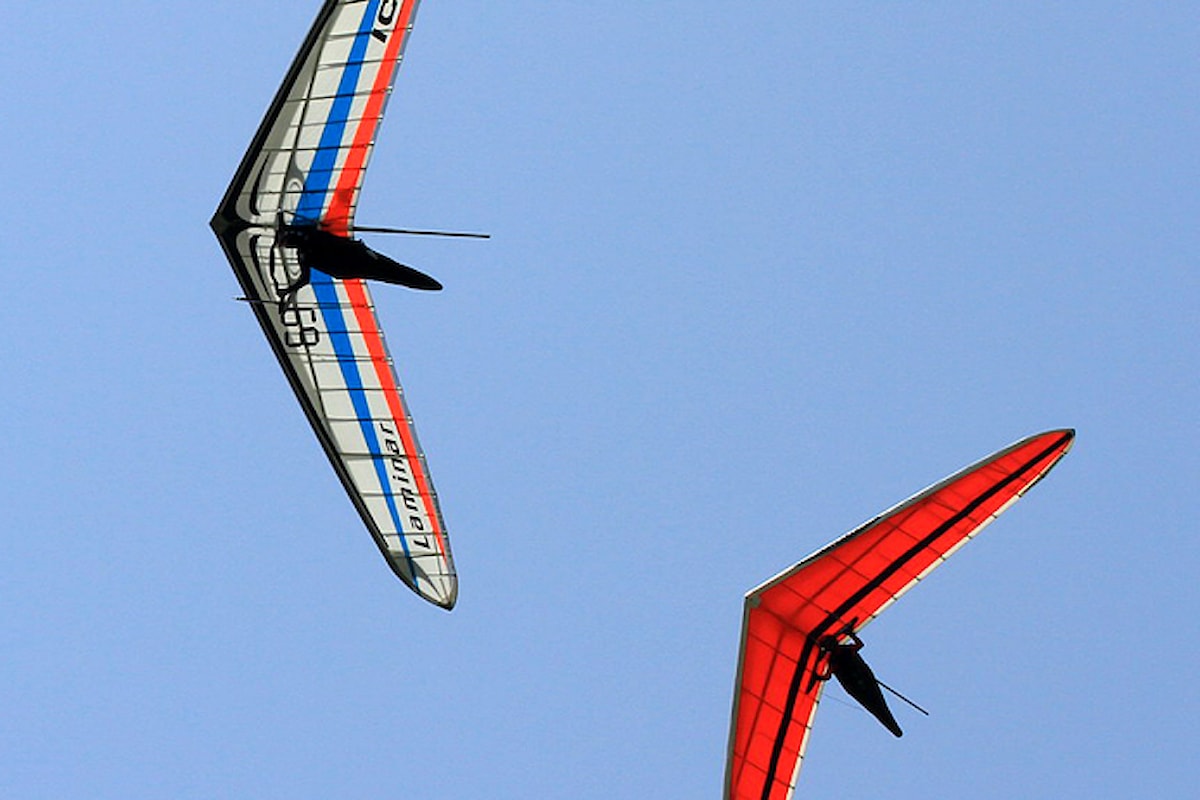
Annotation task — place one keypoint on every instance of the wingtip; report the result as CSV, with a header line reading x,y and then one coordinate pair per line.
x,y
440,590
445,598
1065,435
1068,432
441,596
1068,435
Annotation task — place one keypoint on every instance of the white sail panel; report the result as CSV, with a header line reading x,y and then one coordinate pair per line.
x,y
305,167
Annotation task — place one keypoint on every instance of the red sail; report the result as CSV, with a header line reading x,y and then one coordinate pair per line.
x,y
839,590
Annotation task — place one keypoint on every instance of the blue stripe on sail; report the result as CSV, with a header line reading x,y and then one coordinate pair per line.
x,y
329,302
308,211
316,184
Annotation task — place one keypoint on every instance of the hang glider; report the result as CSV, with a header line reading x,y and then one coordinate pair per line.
x,y
285,224
801,627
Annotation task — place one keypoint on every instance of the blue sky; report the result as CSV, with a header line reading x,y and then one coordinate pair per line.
x,y
757,274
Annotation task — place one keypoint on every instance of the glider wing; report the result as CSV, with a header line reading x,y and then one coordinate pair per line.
x,y
305,166
837,591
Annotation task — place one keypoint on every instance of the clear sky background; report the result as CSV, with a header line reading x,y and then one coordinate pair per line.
x,y
757,273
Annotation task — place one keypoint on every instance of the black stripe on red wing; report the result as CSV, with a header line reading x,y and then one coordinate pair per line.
x,y
832,618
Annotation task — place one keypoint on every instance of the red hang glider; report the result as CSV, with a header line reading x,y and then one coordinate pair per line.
x,y
801,627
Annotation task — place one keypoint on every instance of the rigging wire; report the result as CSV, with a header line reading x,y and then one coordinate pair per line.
x,y
415,232
902,697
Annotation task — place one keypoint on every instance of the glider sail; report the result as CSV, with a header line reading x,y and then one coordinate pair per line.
x,y
304,170
793,622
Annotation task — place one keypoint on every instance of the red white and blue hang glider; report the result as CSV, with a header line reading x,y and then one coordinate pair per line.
x,y
286,225
801,627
